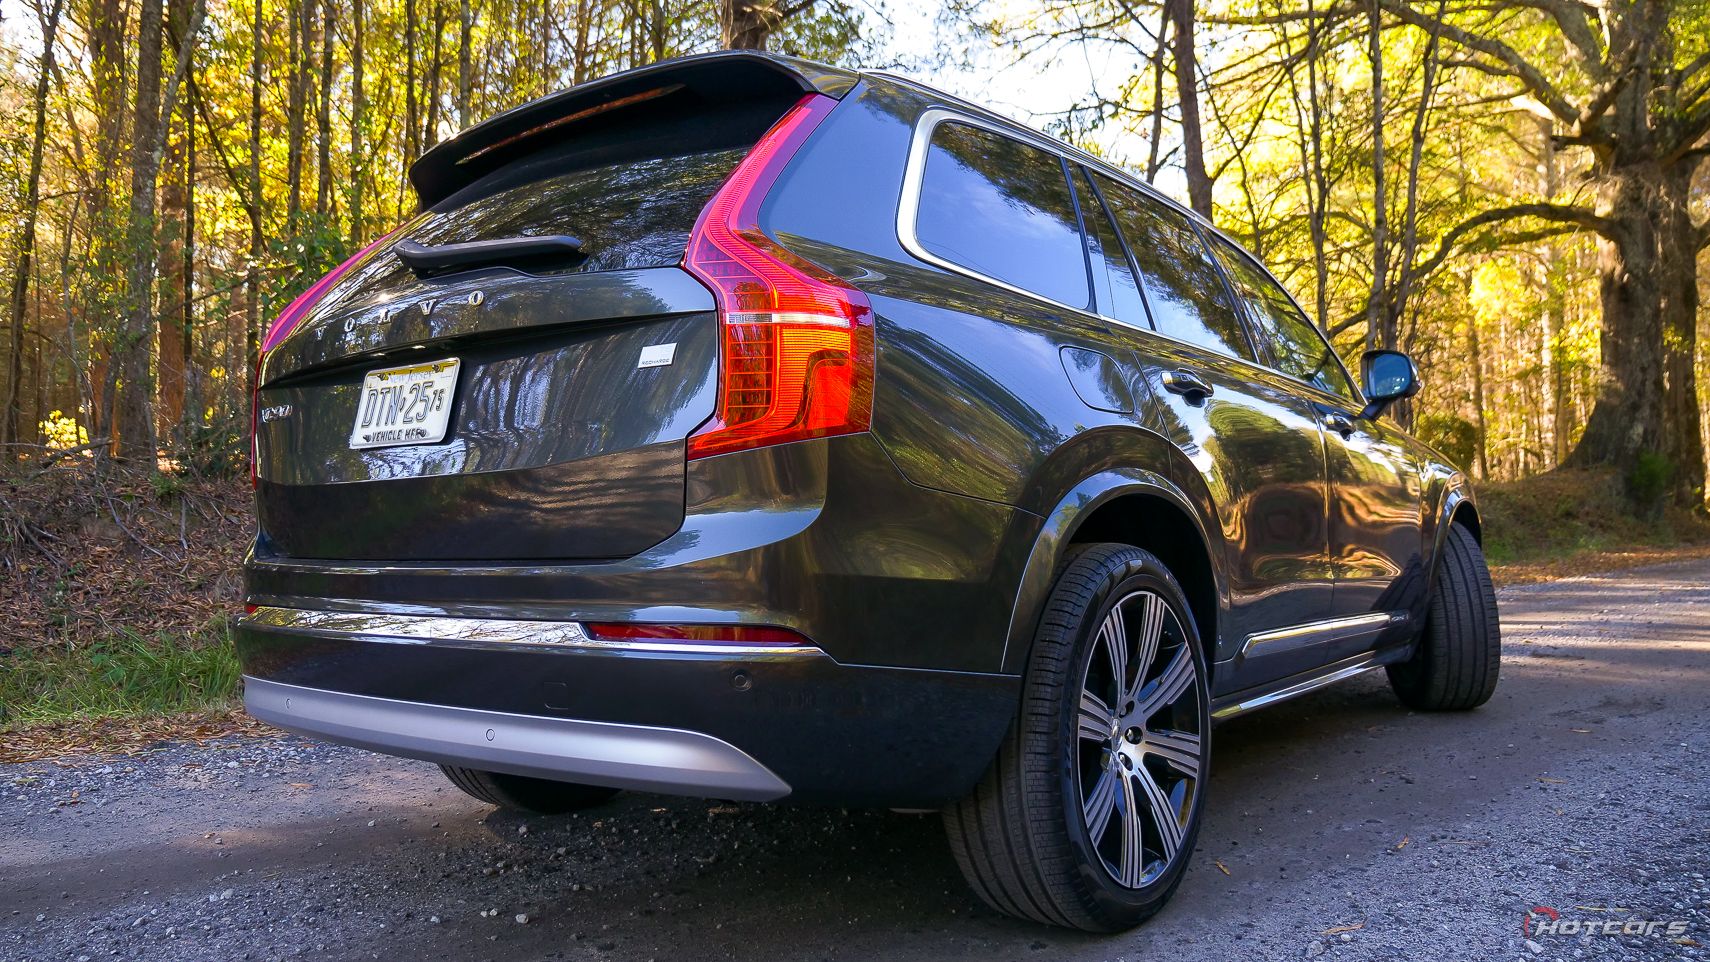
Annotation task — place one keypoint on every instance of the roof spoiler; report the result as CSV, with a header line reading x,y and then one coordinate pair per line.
x,y
726,76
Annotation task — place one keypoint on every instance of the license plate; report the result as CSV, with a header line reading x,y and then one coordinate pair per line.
x,y
405,405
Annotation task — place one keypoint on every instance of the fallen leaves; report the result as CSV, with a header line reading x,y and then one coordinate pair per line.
x,y
1220,866
100,523
1403,843
1338,930
123,736
1592,562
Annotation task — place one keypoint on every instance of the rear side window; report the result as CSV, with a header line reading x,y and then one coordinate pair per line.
x,y
1001,208
1299,350
1183,290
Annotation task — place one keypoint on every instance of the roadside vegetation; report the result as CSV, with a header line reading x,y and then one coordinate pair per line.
x,y
116,590
119,587
1568,522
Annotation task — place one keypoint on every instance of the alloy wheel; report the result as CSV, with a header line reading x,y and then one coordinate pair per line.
x,y
1140,746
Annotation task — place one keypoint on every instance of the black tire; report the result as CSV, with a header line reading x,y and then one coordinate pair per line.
x,y
1023,838
1460,651
521,793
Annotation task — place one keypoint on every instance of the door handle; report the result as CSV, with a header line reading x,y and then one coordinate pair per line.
x,y
1187,384
1340,423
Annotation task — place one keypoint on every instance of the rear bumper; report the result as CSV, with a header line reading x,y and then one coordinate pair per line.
x,y
593,753
823,537
541,698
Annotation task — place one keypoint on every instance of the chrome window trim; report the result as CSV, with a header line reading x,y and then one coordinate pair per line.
x,y
908,209
978,117
432,629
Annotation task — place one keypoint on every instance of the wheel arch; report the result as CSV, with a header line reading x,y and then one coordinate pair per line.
x,y
1133,505
1455,506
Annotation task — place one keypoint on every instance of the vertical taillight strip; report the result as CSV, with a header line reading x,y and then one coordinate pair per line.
x,y
797,341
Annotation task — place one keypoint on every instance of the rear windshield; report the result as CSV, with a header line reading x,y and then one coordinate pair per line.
x,y
628,185
637,213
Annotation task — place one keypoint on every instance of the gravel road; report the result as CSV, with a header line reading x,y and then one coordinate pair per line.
x,y
1340,827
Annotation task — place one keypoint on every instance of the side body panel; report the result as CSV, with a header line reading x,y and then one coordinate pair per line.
x,y
1255,462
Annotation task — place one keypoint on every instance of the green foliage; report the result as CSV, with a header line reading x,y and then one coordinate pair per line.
x,y
166,486
1563,513
128,674
1650,482
216,448
1451,434
312,245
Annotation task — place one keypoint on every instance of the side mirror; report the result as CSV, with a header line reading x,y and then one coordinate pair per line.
x,y
1389,377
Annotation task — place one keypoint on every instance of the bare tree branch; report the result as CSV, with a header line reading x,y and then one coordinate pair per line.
x,y
1517,64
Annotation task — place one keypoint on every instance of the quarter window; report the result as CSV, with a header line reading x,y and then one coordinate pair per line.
x,y
1183,290
1299,350
1001,208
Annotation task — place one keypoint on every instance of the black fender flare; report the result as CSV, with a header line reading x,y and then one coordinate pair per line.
x,y
1456,496
1060,523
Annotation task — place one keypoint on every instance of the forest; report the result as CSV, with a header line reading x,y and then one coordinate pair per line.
x,y
1508,191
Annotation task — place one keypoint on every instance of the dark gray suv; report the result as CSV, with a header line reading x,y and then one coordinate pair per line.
x,y
749,428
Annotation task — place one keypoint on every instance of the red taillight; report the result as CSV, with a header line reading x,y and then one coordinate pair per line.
x,y
287,322
797,345
711,634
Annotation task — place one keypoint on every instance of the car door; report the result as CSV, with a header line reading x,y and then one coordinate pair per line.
x,y
1375,491
1253,444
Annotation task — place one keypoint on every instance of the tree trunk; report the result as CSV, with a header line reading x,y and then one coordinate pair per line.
x,y
174,298
579,50
133,407
252,282
324,194
412,112
1380,322
465,76
1320,182
296,110
9,426
1187,91
108,51
432,130
188,415
1646,402
1153,148
358,107
746,24
1475,360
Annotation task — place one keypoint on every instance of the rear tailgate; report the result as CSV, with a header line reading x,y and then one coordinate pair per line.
x,y
577,377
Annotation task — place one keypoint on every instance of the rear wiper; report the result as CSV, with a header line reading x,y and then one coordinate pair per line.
x,y
427,260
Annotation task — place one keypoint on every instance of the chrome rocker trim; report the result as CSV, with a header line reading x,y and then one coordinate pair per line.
x,y
566,749
1319,632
